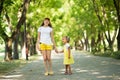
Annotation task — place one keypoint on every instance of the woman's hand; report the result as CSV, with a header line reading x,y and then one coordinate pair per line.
x,y
38,46
56,50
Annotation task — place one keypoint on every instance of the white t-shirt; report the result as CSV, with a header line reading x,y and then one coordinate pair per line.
x,y
66,46
45,35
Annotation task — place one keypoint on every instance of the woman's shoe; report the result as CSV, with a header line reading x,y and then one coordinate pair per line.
x,y
46,74
51,73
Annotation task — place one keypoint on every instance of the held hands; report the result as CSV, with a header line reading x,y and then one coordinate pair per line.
x,y
56,50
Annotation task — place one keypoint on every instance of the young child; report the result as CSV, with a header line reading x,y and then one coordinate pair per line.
x,y
68,58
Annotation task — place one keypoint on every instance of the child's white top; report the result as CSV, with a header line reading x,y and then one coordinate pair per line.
x,y
45,35
66,46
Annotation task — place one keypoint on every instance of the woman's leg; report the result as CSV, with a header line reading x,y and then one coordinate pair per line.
x,y
45,60
49,59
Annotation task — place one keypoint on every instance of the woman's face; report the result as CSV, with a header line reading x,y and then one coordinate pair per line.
x,y
46,22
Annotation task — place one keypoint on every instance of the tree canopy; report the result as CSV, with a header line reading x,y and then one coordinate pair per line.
x,y
92,25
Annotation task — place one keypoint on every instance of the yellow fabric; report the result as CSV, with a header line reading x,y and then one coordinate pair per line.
x,y
45,47
66,59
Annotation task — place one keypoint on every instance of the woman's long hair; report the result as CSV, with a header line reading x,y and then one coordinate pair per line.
x,y
50,25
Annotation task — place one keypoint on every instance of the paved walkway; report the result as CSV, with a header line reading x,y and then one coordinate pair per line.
x,y
86,67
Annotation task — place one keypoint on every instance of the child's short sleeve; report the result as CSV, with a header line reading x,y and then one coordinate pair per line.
x,y
67,46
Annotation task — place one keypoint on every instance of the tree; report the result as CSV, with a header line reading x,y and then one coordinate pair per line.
x,y
12,36
117,7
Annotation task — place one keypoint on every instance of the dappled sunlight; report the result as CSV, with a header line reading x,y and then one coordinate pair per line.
x,y
104,63
80,70
88,67
83,71
98,74
12,76
115,63
2,54
88,56
104,76
95,73
62,71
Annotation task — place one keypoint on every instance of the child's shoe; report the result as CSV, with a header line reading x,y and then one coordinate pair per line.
x,y
66,73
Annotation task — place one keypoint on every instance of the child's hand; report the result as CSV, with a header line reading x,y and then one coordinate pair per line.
x,y
56,50
68,57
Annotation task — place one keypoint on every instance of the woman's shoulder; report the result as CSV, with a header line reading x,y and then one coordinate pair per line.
x,y
40,27
50,28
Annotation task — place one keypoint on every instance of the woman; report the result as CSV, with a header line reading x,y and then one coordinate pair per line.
x,y
46,41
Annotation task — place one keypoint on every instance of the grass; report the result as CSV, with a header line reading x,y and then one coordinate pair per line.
x,y
6,67
115,54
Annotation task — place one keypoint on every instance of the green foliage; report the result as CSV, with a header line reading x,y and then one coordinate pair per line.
x,y
75,18
5,67
116,54
105,54
8,3
1,40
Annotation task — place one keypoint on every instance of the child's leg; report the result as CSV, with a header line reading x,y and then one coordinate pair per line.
x,y
66,69
69,69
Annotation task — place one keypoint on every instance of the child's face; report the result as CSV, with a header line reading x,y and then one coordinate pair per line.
x,y
46,22
64,40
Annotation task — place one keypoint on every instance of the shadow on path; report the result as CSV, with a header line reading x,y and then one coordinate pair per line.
x,y
86,67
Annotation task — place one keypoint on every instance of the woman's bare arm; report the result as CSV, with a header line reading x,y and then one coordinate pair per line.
x,y
54,45
38,40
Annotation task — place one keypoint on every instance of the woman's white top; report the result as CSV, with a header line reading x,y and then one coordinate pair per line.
x,y
45,35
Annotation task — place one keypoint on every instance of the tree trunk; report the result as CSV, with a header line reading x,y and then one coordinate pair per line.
x,y
118,40
8,50
8,41
31,46
16,53
1,6
117,6
22,18
92,44
86,44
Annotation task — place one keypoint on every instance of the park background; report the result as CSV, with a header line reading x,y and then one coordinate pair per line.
x,y
92,25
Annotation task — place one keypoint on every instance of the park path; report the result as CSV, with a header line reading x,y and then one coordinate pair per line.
x,y
86,67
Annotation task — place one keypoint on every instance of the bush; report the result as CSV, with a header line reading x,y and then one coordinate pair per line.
x,y
116,54
105,54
